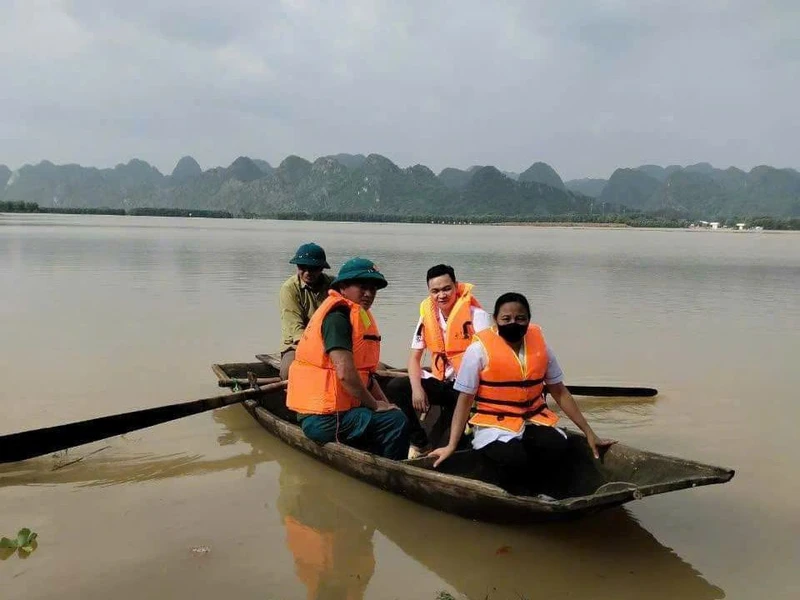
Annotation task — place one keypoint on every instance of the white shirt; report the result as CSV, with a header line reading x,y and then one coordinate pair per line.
x,y
480,320
473,362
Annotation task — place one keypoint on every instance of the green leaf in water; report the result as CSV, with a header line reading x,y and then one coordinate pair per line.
x,y
24,537
30,546
7,543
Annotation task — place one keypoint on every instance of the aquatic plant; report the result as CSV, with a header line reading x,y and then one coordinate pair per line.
x,y
24,542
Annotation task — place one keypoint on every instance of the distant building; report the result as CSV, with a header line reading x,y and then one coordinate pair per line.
x,y
714,225
741,226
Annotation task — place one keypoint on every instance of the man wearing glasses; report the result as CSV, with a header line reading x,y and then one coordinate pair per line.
x,y
300,296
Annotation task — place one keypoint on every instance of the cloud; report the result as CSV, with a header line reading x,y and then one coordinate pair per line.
x,y
585,86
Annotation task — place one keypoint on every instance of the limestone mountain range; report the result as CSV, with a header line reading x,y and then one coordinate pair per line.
x,y
357,183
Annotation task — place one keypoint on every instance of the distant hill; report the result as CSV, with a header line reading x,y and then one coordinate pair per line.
x,y
263,165
631,188
5,175
351,161
703,168
509,174
587,187
243,169
455,179
377,186
186,169
77,186
701,191
490,191
540,172
659,173
373,184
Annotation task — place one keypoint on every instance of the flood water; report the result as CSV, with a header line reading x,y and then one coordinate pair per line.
x,y
100,315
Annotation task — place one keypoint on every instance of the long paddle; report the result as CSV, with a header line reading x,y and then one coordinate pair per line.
x,y
603,391
27,444
600,391
607,391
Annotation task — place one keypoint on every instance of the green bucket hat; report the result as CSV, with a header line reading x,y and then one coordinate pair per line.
x,y
310,255
360,269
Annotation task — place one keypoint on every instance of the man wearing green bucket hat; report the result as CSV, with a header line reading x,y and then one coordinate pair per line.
x,y
331,382
300,296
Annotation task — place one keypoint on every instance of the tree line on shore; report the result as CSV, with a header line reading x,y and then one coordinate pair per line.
x,y
33,207
627,220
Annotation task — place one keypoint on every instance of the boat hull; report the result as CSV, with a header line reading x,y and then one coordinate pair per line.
x,y
623,473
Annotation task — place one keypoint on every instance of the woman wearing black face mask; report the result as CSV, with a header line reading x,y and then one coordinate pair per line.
x,y
503,373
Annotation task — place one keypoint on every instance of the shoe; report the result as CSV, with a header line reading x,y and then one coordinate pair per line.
x,y
414,452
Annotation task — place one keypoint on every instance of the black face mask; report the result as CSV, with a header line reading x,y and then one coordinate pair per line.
x,y
512,332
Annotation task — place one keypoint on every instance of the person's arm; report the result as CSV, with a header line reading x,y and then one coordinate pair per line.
x,y
292,318
467,382
459,422
418,396
419,399
554,380
348,374
384,403
337,334
567,403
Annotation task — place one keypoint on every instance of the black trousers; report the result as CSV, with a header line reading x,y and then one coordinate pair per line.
x,y
440,393
531,465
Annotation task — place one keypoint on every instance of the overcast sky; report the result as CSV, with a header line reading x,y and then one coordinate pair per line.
x,y
586,86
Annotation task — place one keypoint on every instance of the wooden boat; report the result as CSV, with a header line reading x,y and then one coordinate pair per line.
x,y
621,475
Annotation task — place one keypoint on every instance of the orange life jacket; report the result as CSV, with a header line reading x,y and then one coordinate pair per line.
x,y
314,388
449,349
510,391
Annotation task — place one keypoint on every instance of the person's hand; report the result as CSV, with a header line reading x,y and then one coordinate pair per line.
x,y
441,455
419,399
598,444
382,405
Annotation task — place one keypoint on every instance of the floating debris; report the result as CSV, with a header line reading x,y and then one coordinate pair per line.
x,y
25,541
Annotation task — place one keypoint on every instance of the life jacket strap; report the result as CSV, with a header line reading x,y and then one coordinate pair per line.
x,y
525,404
527,383
501,414
440,362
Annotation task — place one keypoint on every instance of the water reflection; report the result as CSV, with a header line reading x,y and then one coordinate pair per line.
x,y
110,464
331,522
331,545
115,468
609,555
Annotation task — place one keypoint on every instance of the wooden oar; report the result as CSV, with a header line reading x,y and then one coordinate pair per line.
x,y
27,444
233,382
606,391
603,391
600,391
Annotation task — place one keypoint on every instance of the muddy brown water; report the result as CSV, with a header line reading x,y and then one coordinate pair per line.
x,y
100,315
